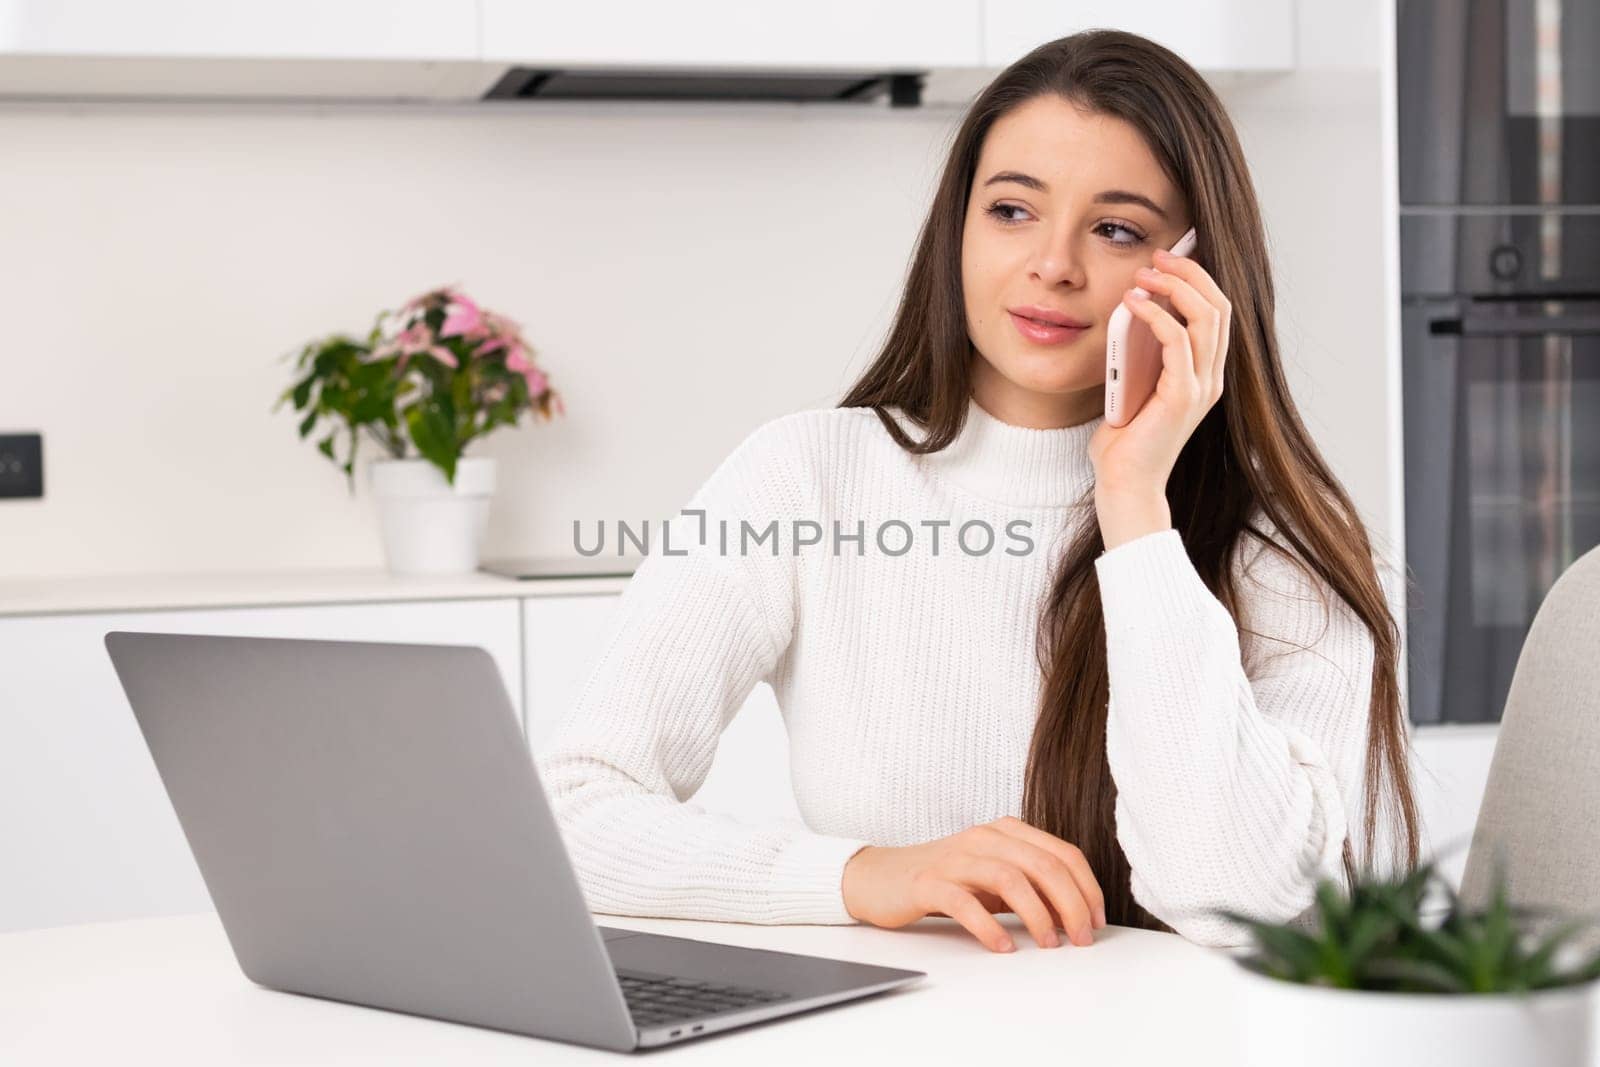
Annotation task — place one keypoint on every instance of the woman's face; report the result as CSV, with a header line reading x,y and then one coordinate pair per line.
x,y
1064,207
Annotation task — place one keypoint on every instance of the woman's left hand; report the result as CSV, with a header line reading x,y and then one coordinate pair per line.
x,y
1132,462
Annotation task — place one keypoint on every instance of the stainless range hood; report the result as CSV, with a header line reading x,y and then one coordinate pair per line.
x,y
903,89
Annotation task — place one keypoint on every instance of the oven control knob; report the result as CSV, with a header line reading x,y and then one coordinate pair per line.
x,y
1505,262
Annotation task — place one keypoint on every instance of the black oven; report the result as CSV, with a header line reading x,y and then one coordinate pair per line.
x,y
1499,150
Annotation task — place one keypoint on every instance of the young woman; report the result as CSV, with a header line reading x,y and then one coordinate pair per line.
x,y
1164,685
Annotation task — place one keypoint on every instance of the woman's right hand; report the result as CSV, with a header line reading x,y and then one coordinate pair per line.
x,y
1004,865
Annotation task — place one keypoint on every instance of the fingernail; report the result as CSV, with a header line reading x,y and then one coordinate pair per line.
x,y
1136,294
1051,940
1008,945
1100,916
1146,272
1162,253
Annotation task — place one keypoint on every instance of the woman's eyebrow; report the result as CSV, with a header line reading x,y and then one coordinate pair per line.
x,y
1019,178
1122,196
1110,196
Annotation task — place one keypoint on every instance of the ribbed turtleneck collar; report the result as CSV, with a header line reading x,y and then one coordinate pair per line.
x,y
1017,465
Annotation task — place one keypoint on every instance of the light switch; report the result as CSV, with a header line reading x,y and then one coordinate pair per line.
x,y
21,465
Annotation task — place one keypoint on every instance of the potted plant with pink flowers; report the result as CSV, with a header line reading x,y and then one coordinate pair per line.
x,y
427,380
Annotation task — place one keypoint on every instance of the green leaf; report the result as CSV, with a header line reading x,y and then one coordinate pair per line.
x,y
1588,972
1422,976
1368,931
1499,938
1538,970
461,389
431,432
1449,951
350,460
1297,951
1331,905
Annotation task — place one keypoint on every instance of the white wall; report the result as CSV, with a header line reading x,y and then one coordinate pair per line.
x,y
686,271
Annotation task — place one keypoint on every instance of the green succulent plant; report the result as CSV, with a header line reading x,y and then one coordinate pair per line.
x,y
1376,937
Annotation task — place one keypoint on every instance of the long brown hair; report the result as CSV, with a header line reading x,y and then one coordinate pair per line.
x,y
1250,451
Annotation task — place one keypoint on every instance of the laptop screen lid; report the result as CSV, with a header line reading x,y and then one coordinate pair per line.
x,y
370,826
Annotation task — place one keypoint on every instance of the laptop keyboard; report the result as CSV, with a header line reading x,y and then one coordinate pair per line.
x,y
655,998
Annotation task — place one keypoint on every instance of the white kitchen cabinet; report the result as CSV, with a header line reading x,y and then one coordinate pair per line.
x,y
817,35
242,29
457,50
1213,35
86,829
749,776
560,636
1451,770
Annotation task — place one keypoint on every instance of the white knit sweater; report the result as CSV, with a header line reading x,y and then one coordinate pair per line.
x,y
909,685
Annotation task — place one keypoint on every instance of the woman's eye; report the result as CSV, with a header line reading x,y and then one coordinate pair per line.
x,y
998,211
1137,238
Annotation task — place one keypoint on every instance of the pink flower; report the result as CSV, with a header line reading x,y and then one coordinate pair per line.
x,y
424,299
482,332
463,318
498,323
415,339
517,360
496,332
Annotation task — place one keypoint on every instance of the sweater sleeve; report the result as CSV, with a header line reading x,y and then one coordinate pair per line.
x,y
696,628
1234,792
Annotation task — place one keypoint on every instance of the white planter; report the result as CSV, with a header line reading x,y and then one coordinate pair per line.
x,y
1311,1026
430,526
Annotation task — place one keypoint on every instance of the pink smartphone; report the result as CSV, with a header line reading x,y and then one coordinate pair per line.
x,y
1133,355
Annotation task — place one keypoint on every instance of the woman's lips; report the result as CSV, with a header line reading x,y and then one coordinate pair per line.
x,y
1044,333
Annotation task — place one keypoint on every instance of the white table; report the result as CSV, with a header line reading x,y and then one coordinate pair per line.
x,y
167,991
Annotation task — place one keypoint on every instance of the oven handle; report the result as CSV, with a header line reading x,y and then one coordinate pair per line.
x,y
1528,325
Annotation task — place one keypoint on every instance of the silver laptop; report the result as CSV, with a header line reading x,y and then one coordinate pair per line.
x,y
370,826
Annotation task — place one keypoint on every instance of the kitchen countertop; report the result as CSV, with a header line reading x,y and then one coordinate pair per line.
x,y
82,594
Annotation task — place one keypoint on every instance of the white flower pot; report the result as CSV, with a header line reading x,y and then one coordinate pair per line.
x,y
430,526
1311,1026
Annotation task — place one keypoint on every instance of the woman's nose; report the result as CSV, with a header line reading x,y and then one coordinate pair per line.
x,y
1056,261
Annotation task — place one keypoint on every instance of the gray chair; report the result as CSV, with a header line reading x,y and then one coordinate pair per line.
x,y
1541,806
